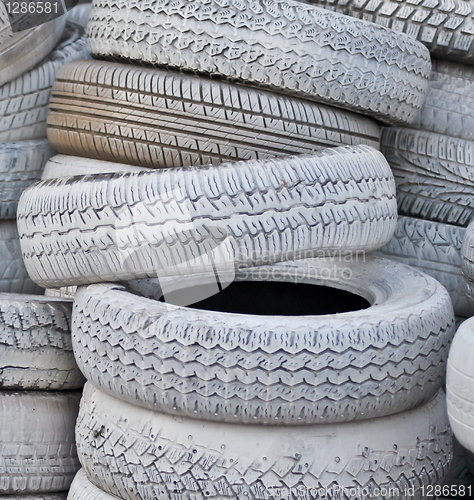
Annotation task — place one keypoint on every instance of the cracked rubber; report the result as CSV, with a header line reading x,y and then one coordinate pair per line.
x,y
21,164
435,249
288,46
35,344
24,101
446,27
156,118
434,174
13,275
460,385
23,50
134,453
37,448
242,368
157,223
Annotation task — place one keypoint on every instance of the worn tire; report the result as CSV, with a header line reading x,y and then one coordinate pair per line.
x,y
13,275
467,255
38,453
435,249
156,118
24,101
134,453
258,211
23,50
445,27
433,173
21,164
287,46
460,385
35,344
240,367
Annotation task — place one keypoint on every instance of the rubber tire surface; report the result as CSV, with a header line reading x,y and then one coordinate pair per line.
x,y
460,385
53,496
13,275
445,27
80,14
23,50
435,249
24,101
467,255
241,368
434,174
268,210
21,164
35,344
287,46
134,453
70,166
156,118
83,489
37,450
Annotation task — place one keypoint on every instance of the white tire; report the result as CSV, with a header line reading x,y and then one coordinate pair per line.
x,y
80,14
133,454
241,366
287,46
24,101
460,385
37,449
13,275
21,164
167,222
434,248
83,489
35,344
24,49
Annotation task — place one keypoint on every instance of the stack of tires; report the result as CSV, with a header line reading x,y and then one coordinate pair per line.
x,y
218,365
433,164
39,378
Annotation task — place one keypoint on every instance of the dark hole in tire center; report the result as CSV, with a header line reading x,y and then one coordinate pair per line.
x,y
281,299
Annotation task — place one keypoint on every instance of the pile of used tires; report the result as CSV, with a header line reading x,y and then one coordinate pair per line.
x,y
253,318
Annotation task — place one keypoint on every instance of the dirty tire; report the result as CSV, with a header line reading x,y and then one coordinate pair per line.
x,y
23,50
35,344
435,249
156,118
70,166
445,27
13,275
134,453
434,174
38,453
240,368
83,489
287,46
24,101
80,14
21,164
460,385
259,211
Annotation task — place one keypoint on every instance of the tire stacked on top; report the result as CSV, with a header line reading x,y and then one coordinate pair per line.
x,y
177,394
38,375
